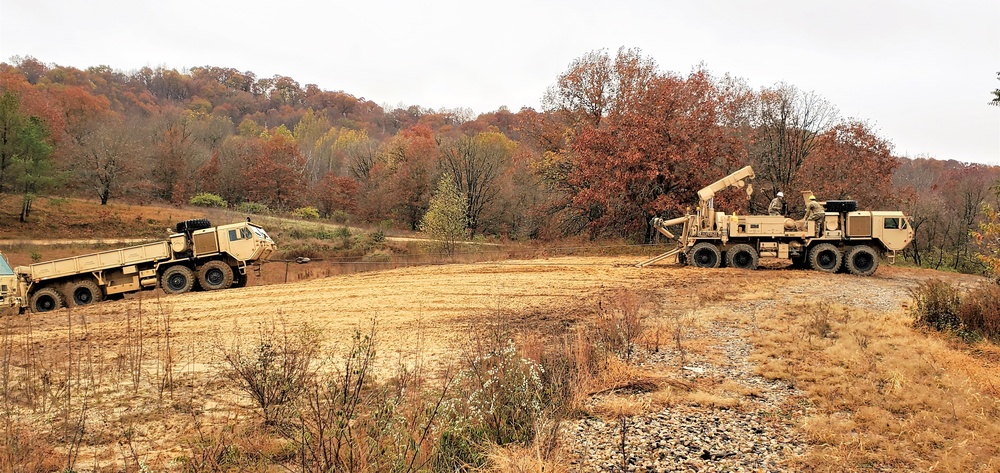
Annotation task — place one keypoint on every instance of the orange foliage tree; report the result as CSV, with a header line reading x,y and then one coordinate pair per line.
x,y
412,158
988,237
276,173
656,143
850,162
334,193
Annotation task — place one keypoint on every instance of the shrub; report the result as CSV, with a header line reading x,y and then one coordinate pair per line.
x,y
339,216
273,369
971,316
936,305
349,421
505,403
208,200
255,208
308,213
980,311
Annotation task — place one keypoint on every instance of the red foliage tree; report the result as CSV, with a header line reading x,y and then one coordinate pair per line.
x,y
651,153
333,193
276,174
851,162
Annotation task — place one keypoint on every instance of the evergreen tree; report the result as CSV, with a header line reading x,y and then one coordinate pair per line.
x,y
25,153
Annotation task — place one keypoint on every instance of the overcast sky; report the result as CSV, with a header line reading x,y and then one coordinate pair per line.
x,y
920,72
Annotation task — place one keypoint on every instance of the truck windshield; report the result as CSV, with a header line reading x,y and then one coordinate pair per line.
x,y
260,233
5,268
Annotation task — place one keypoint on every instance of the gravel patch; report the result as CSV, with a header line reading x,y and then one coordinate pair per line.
x,y
751,436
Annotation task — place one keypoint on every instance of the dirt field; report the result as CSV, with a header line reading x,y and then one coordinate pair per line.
x,y
429,310
442,302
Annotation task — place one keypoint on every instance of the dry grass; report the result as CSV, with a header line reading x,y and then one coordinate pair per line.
x,y
881,395
524,459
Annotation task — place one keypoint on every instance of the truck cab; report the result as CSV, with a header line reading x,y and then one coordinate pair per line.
x,y
9,297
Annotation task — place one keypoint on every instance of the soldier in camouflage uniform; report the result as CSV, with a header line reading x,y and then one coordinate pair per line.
x,y
776,205
816,213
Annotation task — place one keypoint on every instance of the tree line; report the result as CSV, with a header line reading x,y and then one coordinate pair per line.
x,y
617,140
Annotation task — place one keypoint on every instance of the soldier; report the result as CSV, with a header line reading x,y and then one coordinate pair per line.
x,y
776,205
816,213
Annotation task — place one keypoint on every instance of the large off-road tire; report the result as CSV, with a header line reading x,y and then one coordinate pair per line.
x,y
705,255
861,260
81,293
192,225
825,257
46,299
742,256
177,279
215,275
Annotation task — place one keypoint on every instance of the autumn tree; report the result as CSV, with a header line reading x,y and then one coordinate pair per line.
x,y
595,86
851,162
657,144
988,237
475,162
276,173
175,155
334,193
411,158
446,219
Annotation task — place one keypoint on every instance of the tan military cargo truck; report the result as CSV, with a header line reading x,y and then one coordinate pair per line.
x,y
198,256
849,239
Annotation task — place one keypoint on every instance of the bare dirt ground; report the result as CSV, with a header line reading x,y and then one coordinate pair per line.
x,y
432,310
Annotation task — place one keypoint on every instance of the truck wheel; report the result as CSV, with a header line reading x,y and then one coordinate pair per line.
x,y
177,279
192,225
705,255
824,257
215,275
742,256
84,292
861,260
46,299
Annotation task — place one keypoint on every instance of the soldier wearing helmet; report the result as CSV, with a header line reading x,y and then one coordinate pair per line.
x,y
816,213
777,205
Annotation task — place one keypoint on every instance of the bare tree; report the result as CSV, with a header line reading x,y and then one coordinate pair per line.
x,y
475,163
106,156
787,124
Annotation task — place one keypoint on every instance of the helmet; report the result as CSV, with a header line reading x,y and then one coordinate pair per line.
x,y
781,194
812,197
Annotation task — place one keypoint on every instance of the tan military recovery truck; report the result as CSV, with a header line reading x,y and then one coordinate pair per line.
x,y
197,256
850,240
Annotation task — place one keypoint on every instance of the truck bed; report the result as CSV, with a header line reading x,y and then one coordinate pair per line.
x,y
99,261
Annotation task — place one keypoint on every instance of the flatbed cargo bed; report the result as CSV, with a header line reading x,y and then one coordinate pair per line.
x,y
100,261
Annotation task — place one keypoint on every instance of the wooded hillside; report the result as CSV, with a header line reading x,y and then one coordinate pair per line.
x,y
618,140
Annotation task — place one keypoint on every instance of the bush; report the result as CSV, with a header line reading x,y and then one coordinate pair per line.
x,y
936,305
505,400
253,208
307,213
208,200
980,311
339,216
971,316
273,369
